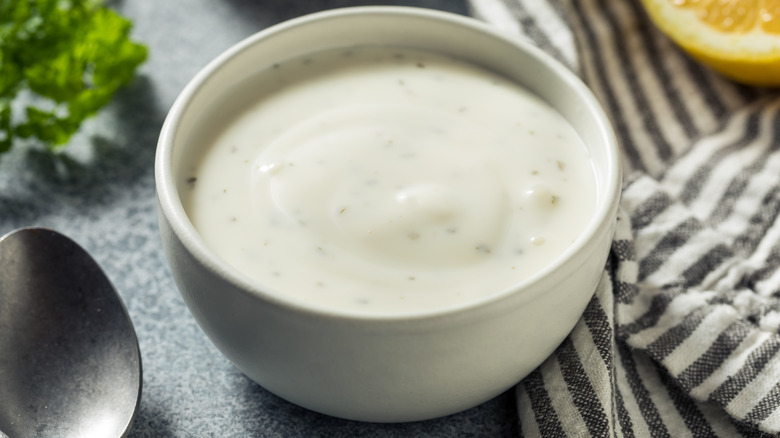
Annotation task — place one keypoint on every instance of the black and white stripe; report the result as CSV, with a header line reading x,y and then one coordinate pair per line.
x,y
681,338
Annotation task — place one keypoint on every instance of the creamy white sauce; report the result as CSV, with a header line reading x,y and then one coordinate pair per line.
x,y
388,181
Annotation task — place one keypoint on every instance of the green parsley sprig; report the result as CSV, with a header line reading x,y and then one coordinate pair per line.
x,y
69,57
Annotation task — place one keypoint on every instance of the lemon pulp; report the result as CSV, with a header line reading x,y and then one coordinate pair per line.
x,y
739,38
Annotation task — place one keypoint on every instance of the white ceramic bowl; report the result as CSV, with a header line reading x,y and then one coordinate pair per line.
x,y
387,369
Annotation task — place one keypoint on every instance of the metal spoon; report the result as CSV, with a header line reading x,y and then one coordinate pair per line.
x,y
70,365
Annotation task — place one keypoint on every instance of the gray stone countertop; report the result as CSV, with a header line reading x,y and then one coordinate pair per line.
x,y
100,192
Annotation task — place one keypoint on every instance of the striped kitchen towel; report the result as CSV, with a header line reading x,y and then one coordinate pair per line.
x,y
681,338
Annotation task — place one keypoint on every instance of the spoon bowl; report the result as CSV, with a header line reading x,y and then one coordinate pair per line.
x,y
70,365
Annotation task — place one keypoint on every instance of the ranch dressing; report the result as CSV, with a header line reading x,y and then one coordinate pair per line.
x,y
388,181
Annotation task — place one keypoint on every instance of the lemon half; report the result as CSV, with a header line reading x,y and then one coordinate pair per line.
x,y
739,38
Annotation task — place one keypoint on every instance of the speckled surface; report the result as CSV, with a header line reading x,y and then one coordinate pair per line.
x,y
100,192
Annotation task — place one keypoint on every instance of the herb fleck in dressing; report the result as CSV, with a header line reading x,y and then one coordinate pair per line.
x,y
389,181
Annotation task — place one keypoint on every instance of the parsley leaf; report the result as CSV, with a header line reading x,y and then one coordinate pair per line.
x,y
69,57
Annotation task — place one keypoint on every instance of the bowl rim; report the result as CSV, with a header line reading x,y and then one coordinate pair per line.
x,y
171,207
